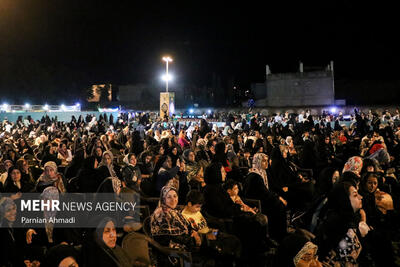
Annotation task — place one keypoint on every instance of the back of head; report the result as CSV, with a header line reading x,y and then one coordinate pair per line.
x,y
212,174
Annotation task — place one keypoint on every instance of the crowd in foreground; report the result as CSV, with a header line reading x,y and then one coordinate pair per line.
x,y
256,192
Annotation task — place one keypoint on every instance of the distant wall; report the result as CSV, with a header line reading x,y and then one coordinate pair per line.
x,y
299,89
61,116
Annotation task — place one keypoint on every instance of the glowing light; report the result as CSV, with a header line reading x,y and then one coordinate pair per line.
x,y
78,104
166,77
46,107
63,107
27,106
167,59
209,111
191,111
4,107
171,109
333,110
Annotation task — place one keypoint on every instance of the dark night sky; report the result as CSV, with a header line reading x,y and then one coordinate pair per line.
x,y
53,42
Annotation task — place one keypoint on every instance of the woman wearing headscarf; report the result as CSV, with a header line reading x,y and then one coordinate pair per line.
x,y
257,186
163,172
196,177
352,170
182,141
146,169
189,157
26,172
131,174
12,238
15,183
51,177
23,147
62,256
338,236
47,235
168,226
381,216
104,251
218,203
297,250
107,164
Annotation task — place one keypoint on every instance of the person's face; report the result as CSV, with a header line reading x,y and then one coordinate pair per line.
x,y
327,139
99,152
355,199
171,200
191,156
175,151
133,160
335,177
110,235
370,169
108,159
309,259
234,191
223,173
200,174
50,172
63,147
161,151
148,158
8,164
264,163
68,262
16,175
212,149
194,208
372,184
22,143
246,154
11,213
169,162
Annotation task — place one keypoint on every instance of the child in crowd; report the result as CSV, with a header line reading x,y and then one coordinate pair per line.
x,y
232,188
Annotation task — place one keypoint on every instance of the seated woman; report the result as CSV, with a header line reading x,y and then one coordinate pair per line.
x,y
248,227
64,154
15,183
62,256
257,186
12,237
106,166
297,250
381,216
338,235
196,177
50,177
104,251
131,174
169,227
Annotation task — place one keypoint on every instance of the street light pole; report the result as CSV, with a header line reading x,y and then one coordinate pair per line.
x,y
167,60
166,86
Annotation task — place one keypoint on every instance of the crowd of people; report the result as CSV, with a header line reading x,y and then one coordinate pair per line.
x,y
278,190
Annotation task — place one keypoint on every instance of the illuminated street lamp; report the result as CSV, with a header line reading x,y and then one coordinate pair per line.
x,y
166,77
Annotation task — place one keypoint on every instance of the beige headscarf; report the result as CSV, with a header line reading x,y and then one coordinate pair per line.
x,y
256,168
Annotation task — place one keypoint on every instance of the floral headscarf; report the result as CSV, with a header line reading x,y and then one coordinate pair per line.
x,y
257,167
353,164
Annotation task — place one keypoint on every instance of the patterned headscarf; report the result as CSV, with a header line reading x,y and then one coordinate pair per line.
x,y
116,184
4,203
164,192
353,164
257,167
307,246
